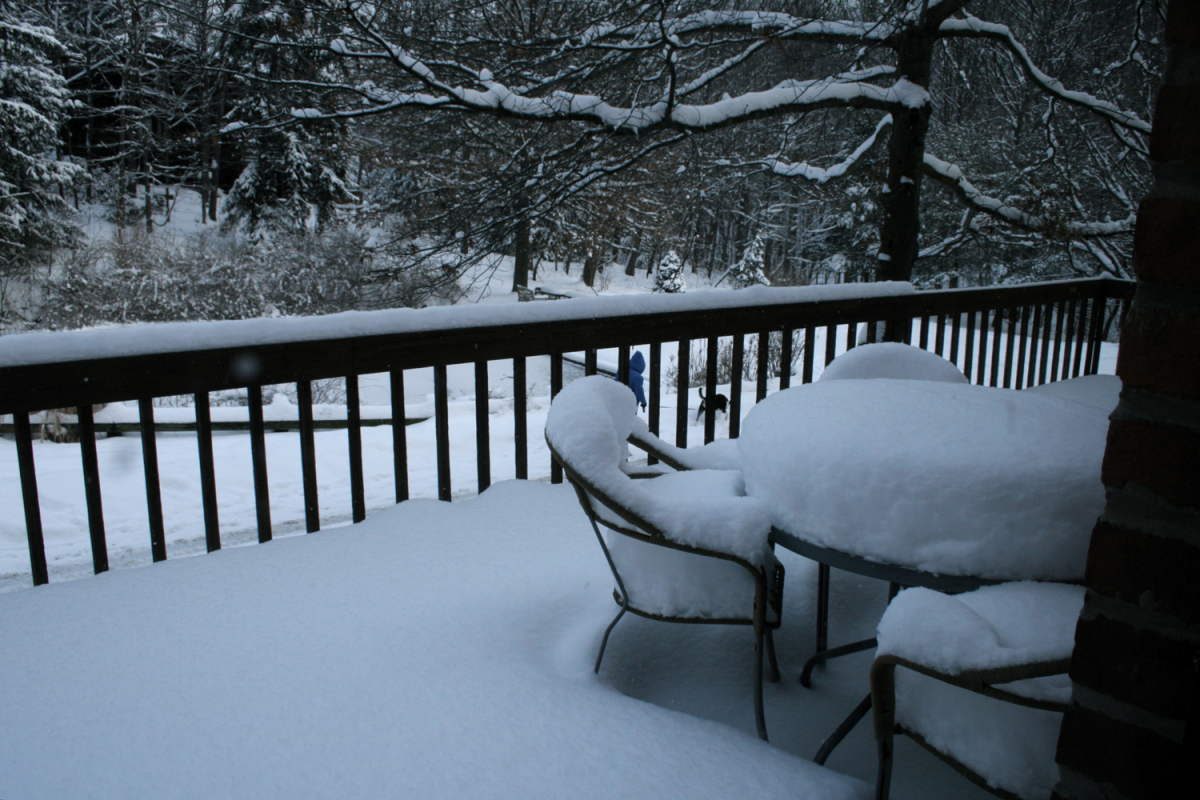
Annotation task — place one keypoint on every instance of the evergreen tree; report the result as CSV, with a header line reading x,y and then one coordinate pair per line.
x,y
33,102
669,278
749,270
295,171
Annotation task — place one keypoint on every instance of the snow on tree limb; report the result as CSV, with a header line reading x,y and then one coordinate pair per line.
x,y
950,176
822,176
835,91
973,27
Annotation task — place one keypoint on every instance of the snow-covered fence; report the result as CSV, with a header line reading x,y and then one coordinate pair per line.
x,y
1012,337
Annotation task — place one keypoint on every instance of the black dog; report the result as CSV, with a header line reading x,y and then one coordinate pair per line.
x,y
719,400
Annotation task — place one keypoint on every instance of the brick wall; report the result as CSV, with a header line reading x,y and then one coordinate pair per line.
x,y
1132,728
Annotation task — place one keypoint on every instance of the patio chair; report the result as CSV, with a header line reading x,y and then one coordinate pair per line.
x,y
981,683
683,546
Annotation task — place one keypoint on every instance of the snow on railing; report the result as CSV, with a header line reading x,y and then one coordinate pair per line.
x,y
1010,337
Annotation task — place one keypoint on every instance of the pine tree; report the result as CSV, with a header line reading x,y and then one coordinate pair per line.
x,y
33,102
669,278
749,270
295,171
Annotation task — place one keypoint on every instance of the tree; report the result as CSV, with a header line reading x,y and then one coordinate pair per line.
x,y
629,79
669,278
33,104
748,271
296,172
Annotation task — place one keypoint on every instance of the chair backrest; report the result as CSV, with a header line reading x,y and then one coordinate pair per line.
x,y
588,428
892,360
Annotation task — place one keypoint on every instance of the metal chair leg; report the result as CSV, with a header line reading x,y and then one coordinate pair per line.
x,y
604,641
883,778
772,663
759,716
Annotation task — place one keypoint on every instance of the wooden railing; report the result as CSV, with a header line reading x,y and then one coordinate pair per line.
x,y
1009,337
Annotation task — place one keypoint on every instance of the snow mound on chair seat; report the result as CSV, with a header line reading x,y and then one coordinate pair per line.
x,y
588,425
996,626
892,360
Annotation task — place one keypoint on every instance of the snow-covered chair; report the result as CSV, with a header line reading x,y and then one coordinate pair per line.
x,y
892,360
981,683
684,546
721,454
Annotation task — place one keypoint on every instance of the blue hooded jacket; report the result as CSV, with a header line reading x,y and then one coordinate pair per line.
x,y
637,365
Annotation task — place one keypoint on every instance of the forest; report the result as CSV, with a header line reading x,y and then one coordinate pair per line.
x,y
344,154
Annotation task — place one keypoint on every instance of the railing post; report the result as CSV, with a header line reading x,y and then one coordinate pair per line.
x,y
91,486
29,494
358,501
483,438
556,385
308,457
258,462
654,401
710,390
154,512
520,421
762,365
399,434
208,475
441,414
682,379
735,385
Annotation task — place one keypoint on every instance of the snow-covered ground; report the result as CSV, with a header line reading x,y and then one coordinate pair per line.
x,y
436,650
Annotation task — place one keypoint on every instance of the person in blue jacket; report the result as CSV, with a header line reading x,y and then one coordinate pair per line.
x,y
637,365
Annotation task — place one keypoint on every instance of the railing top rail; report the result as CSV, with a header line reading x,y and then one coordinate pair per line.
x,y
51,370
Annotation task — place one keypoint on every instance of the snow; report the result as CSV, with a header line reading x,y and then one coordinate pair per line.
x,y
943,477
1101,392
996,626
436,651
1012,745
892,360
40,348
821,176
588,426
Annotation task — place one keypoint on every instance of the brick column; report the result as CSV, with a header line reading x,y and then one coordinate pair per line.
x,y
1132,728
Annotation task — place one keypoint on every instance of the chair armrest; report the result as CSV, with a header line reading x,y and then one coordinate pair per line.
x,y
883,685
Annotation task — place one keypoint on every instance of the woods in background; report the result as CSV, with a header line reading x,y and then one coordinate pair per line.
x,y
983,141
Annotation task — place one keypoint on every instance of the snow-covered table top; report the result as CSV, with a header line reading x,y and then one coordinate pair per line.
x,y
946,478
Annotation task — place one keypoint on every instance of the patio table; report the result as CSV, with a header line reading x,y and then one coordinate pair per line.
x,y
920,483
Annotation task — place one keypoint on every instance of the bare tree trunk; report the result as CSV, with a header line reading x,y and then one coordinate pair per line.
x,y
631,264
524,250
590,264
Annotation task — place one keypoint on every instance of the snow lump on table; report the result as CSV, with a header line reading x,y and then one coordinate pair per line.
x,y
947,478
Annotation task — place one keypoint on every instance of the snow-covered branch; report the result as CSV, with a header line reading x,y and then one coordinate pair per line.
x,y
973,27
822,175
950,176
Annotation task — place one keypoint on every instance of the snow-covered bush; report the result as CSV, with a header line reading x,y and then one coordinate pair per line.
x,y
669,277
157,279
749,270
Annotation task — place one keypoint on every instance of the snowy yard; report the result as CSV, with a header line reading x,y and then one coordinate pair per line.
x,y
436,650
